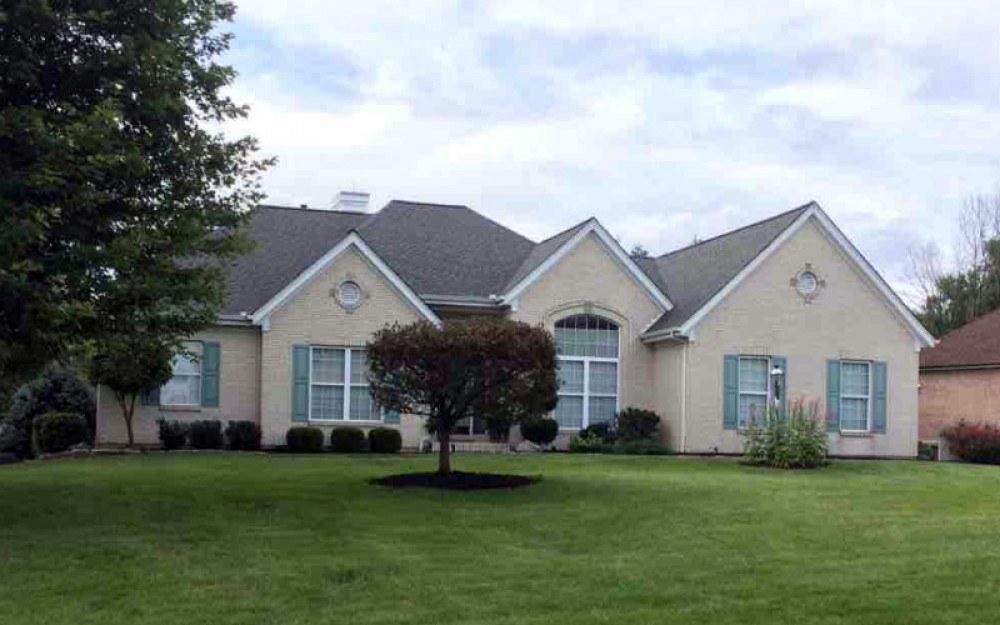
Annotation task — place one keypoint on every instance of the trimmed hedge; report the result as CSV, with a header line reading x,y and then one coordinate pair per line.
x,y
974,442
243,435
636,424
540,431
347,440
173,434
58,431
205,434
302,439
385,440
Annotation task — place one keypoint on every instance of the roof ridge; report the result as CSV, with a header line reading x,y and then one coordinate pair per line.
x,y
803,207
312,209
429,204
969,324
565,230
457,207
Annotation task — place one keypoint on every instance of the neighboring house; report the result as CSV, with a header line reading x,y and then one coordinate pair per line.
x,y
706,335
960,377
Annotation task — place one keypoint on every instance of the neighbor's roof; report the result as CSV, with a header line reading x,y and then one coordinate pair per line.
x,y
976,344
447,252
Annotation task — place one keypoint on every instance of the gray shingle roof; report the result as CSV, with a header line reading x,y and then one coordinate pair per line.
x,y
695,273
454,252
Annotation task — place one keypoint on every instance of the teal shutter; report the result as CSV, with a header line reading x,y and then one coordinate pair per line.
x,y
832,395
151,397
878,410
392,417
782,363
300,383
210,374
731,392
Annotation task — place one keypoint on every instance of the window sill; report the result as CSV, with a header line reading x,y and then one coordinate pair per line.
x,y
180,408
849,434
343,422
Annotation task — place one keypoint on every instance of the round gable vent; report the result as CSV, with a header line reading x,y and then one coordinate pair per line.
x,y
349,294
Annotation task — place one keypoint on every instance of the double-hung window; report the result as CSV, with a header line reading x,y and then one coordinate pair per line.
x,y
855,396
338,385
754,390
587,348
184,388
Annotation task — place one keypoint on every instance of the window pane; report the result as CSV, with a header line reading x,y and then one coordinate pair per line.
x,y
184,364
601,410
753,375
604,378
569,411
328,366
359,366
607,343
853,414
327,402
181,390
854,378
570,376
586,335
753,407
362,407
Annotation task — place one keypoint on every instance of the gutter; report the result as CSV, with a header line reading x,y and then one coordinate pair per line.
x,y
664,335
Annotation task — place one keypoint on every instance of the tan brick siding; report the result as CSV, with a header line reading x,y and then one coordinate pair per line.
x,y
947,397
765,315
239,386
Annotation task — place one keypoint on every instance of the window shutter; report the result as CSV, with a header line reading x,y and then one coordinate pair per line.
x,y
210,374
151,397
832,395
878,410
392,417
300,383
782,363
730,392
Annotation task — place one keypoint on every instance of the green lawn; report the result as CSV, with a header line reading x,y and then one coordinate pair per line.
x,y
221,538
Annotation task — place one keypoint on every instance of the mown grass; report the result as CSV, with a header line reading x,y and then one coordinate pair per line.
x,y
229,538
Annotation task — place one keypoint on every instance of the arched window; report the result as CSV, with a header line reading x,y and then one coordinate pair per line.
x,y
587,347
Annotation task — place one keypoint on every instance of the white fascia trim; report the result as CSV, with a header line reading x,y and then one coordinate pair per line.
x,y
595,227
351,240
919,332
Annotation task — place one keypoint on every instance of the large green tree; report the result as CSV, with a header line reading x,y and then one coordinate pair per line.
x,y
112,161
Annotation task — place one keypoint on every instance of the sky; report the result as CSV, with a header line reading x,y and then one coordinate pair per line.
x,y
666,121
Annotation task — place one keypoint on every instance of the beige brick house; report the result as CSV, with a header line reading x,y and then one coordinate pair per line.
x,y
706,335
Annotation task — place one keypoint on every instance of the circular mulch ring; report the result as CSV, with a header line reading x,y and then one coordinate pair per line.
x,y
456,480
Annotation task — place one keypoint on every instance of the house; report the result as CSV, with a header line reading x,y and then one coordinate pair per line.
x,y
960,377
706,335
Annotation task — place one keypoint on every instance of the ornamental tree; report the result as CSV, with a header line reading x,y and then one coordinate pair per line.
x,y
483,366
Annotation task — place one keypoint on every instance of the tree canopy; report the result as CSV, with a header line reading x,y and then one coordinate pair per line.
x,y
112,161
466,368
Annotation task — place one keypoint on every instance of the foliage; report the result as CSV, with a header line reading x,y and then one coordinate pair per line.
x,y
243,435
928,450
640,447
58,431
498,427
790,439
973,442
636,424
173,434
112,159
488,367
205,434
303,439
603,431
347,440
540,430
384,440
590,443
56,390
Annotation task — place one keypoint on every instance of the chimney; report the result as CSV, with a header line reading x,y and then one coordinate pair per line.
x,y
351,201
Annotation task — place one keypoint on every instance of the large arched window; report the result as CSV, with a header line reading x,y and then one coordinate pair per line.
x,y
588,370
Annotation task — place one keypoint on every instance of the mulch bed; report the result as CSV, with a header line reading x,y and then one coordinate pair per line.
x,y
456,480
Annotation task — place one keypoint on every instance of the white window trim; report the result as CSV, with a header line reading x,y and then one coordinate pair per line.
x,y
867,398
201,375
586,394
346,384
767,394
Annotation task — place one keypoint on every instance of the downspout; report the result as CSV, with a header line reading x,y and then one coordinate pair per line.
x,y
684,390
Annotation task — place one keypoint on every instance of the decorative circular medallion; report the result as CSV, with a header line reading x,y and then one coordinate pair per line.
x,y
807,283
349,294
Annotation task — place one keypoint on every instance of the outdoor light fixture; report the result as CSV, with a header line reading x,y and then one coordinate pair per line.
x,y
777,375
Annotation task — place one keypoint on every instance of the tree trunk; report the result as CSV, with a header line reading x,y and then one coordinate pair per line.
x,y
444,452
128,422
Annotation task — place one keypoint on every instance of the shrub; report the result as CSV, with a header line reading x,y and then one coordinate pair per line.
x,y
303,439
635,424
973,442
540,430
58,431
589,443
205,434
927,450
641,447
789,439
347,440
56,390
604,431
173,434
384,440
498,428
243,435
